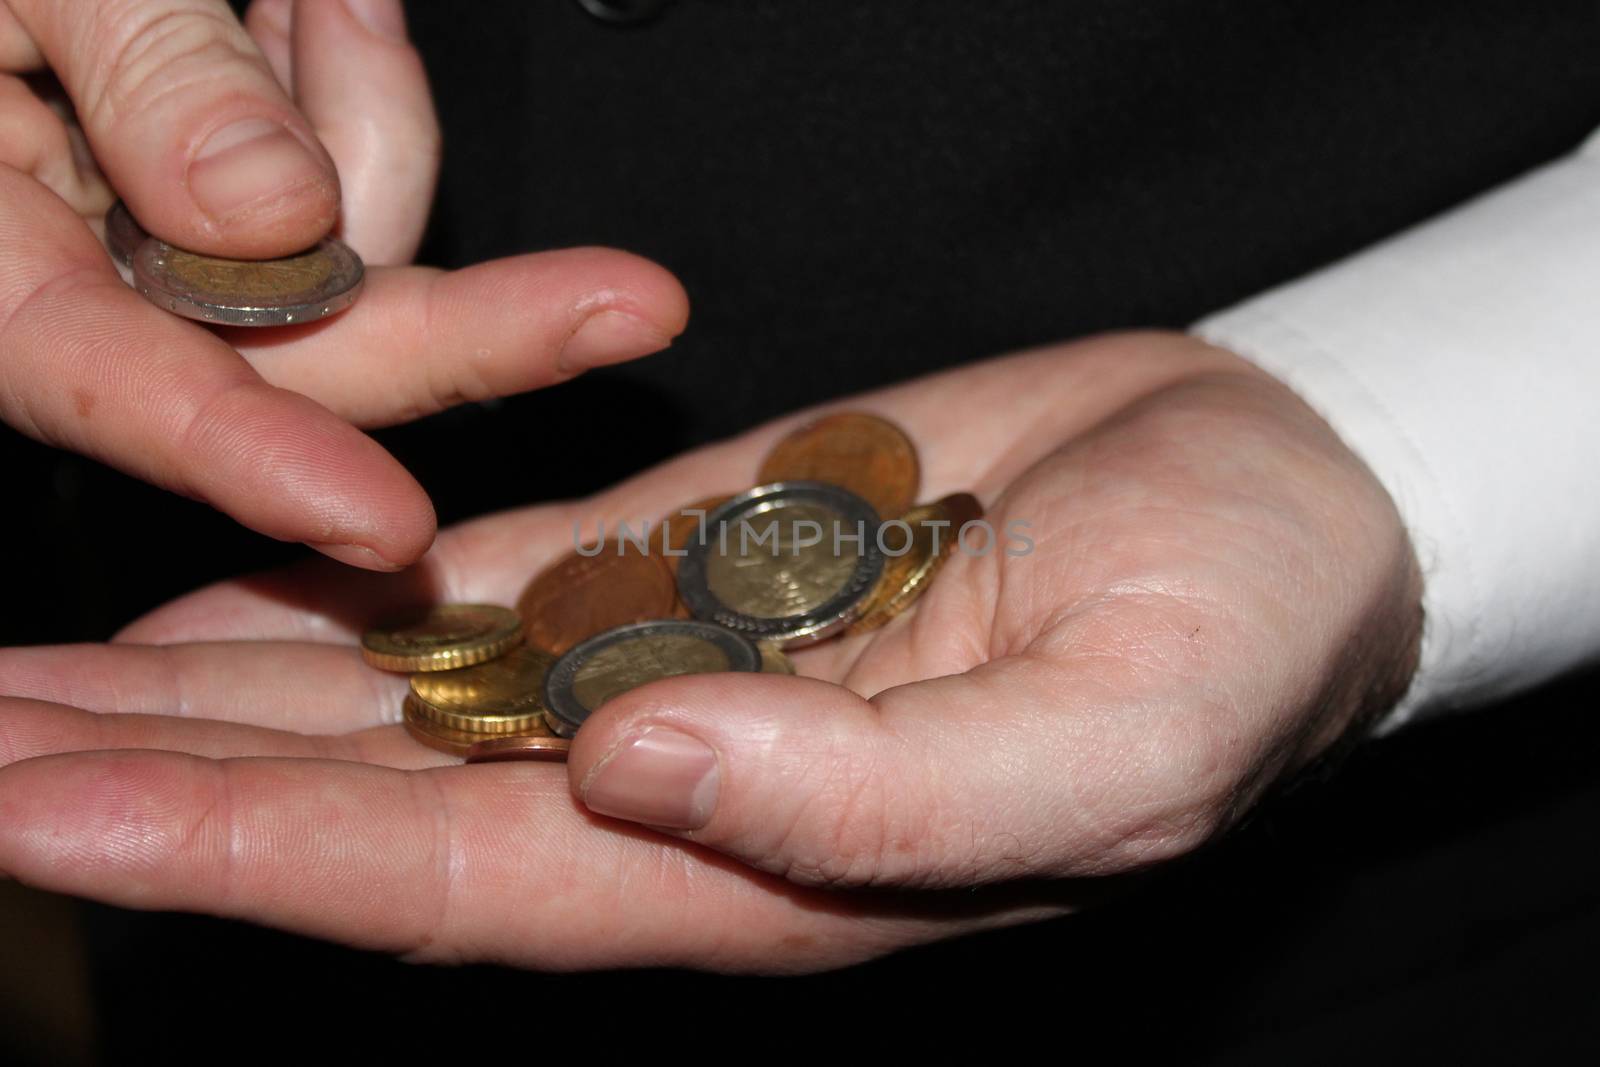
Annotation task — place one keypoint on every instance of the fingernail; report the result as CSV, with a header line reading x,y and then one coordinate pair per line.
x,y
610,337
251,161
356,556
659,778
382,17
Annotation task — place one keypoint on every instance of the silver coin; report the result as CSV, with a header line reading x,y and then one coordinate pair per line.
x,y
305,287
626,657
124,235
745,574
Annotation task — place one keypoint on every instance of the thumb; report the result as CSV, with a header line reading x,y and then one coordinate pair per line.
x,y
1007,771
795,776
188,122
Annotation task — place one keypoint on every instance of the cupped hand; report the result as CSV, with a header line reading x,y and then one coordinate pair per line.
x,y
240,143
1217,593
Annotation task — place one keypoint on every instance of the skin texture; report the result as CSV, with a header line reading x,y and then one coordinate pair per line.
x,y
1219,593
339,129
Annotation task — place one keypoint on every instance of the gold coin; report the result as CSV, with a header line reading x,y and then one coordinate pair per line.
x,y
907,576
462,743
774,660
442,638
581,595
503,696
870,456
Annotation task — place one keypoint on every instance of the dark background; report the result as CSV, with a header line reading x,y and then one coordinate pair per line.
x,y
856,192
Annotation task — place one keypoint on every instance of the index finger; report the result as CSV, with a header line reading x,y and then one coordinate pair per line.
x,y
86,364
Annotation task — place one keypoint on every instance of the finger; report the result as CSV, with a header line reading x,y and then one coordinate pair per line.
x,y
269,24
486,863
90,366
1005,772
363,87
18,53
420,341
35,141
30,729
188,122
307,688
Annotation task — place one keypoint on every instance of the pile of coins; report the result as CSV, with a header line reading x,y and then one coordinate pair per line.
x,y
304,287
725,584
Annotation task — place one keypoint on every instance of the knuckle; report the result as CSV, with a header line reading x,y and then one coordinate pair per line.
x,y
147,54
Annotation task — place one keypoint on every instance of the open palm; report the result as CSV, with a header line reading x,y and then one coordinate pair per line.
x,y
1218,591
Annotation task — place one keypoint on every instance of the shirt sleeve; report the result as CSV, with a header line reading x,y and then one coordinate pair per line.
x,y
1461,361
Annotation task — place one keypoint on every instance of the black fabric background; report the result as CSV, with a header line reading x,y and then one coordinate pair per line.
x,y
856,192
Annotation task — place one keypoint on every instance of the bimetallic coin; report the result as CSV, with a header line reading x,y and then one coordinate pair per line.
x,y
502,696
790,563
124,235
870,456
443,638
928,537
627,657
511,749
581,595
305,287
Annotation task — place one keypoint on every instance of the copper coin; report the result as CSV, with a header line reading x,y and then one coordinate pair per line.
x,y
684,525
581,595
511,749
870,456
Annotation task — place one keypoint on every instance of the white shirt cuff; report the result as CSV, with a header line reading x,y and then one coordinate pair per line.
x,y
1461,361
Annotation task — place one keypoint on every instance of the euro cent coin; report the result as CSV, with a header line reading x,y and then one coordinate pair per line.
x,y
916,547
544,748
868,455
443,638
583,594
623,659
790,563
502,696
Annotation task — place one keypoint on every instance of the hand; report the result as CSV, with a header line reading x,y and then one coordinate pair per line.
x,y
1219,591
235,143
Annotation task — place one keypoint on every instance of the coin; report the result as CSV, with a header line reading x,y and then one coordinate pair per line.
x,y
461,743
929,537
684,525
442,638
774,661
627,657
124,235
509,749
502,696
581,595
789,563
960,509
870,456
304,287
